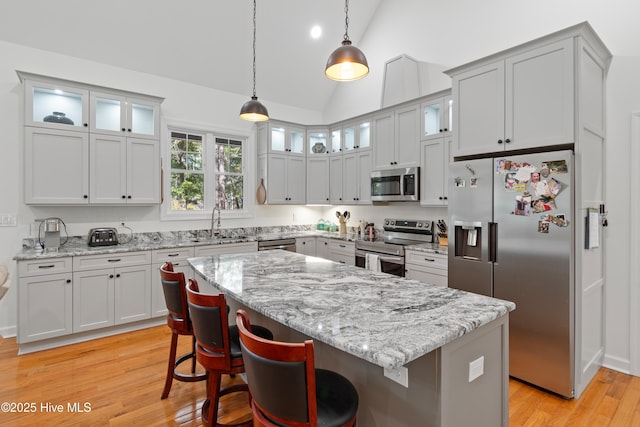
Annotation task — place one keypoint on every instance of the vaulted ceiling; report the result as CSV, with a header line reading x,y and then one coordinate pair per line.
x,y
208,42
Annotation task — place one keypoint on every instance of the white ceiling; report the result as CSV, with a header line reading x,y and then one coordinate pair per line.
x,y
208,42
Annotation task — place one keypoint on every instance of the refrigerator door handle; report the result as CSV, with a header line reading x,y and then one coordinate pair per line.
x,y
493,242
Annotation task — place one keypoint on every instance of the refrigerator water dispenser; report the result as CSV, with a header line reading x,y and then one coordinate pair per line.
x,y
468,236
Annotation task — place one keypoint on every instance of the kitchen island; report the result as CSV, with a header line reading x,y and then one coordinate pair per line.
x,y
419,355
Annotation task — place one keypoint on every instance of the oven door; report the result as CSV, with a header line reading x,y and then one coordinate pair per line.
x,y
391,264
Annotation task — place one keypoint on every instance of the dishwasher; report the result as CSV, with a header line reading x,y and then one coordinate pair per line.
x,y
269,245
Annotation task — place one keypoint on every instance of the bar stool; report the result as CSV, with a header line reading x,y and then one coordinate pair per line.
x,y
217,348
287,390
175,296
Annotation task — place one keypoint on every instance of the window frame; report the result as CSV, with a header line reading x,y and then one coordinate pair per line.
x,y
209,134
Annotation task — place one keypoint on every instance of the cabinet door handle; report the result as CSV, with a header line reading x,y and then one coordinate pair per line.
x,y
111,276
123,129
85,196
114,260
128,130
507,140
124,197
117,275
128,197
342,246
499,141
68,280
173,255
430,260
46,266
85,124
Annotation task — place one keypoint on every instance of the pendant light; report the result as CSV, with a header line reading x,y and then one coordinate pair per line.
x,y
347,62
253,110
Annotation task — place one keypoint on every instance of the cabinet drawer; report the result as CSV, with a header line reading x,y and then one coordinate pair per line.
x,y
44,266
343,258
163,255
343,248
426,259
91,262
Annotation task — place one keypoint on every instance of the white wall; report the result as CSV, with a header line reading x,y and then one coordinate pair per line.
x,y
185,102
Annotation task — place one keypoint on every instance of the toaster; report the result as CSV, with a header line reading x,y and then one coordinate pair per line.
x,y
103,237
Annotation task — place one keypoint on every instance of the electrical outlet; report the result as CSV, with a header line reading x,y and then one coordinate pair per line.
x,y
476,368
8,220
399,375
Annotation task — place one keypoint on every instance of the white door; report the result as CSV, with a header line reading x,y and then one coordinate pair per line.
x,y
539,97
407,137
318,179
93,299
384,140
108,171
296,180
132,294
56,166
479,113
143,171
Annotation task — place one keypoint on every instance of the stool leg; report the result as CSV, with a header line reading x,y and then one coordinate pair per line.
x,y
193,352
213,396
171,365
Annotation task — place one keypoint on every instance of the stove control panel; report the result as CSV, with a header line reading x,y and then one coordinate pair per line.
x,y
408,225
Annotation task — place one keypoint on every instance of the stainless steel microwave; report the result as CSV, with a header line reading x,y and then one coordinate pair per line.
x,y
395,185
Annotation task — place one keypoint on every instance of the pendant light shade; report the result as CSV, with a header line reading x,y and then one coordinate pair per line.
x,y
253,110
347,62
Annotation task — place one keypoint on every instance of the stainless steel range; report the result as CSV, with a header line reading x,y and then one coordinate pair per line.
x,y
387,251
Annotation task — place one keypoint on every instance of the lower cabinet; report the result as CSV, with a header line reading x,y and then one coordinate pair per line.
x,y
111,290
45,299
306,246
426,267
342,252
322,247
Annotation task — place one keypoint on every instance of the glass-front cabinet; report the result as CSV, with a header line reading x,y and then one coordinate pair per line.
x,y
56,106
317,142
276,137
336,140
356,135
120,115
437,117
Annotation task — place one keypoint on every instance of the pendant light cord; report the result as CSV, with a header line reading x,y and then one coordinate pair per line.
x,y
254,48
346,20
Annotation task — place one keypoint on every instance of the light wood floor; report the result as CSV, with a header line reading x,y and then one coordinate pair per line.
x,y
121,379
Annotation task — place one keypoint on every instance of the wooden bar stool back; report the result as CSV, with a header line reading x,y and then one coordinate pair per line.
x,y
287,390
175,296
217,348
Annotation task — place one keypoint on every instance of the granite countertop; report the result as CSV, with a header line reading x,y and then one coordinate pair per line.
x,y
384,319
434,248
77,245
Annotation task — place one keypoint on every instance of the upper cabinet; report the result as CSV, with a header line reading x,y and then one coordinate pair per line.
x,y
436,116
127,116
318,142
396,137
56,106
89,145
523,100
279,137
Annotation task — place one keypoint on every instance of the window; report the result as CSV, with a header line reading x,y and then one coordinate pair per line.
x,y
229,180
207,169
187,172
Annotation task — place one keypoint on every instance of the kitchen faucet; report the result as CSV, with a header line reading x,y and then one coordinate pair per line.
x,y
215,226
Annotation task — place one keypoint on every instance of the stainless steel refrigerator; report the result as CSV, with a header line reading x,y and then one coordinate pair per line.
x,y
511,237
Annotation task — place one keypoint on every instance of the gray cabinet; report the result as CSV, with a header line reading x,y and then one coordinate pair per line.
x,y
79,147
306,246
522,101
284,177
111,290
45,299
396,137
427,267
318,176
435,157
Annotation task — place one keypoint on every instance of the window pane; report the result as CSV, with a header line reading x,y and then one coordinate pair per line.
x,y
187,191
229,192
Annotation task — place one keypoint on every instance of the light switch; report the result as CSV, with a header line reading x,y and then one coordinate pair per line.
x,y
476,368
8,220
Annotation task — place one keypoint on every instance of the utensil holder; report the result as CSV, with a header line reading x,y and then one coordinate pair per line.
x,y
342,228
443,240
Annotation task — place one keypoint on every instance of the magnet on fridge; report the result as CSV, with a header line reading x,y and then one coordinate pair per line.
x,y
459,182
543,226
473,182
